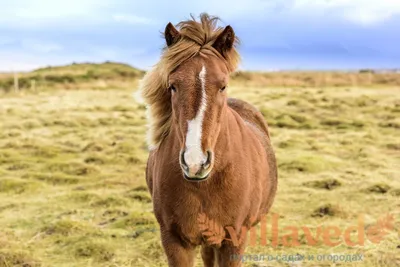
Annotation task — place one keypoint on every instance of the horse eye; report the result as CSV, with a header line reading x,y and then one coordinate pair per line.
x,y
172,88
222,89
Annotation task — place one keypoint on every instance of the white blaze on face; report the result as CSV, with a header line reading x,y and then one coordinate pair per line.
x,y
194,155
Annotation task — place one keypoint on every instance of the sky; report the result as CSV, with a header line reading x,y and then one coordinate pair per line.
x,y
274,34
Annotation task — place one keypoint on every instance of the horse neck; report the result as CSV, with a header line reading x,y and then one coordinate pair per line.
x,y
224,137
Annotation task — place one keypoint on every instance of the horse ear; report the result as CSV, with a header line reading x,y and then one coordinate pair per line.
x,y
171,34
225,40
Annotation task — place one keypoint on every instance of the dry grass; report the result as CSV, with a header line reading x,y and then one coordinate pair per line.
x,y
319,79
72,186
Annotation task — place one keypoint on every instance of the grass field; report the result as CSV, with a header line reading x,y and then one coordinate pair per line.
x,y
72,185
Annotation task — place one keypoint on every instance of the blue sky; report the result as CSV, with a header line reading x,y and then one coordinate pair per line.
x,y
275,34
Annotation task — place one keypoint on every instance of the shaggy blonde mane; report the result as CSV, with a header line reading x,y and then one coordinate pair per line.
x,y
196,37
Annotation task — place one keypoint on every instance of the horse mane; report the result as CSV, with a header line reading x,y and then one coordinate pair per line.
x,y
196,37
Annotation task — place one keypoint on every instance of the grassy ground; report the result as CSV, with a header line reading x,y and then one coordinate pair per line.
x,y
72,186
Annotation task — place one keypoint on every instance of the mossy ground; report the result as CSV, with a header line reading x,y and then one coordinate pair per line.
x,y
72,185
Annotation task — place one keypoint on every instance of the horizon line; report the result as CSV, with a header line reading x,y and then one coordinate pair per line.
x,y
240,69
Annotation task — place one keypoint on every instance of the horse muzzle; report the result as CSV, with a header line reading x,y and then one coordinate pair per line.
x,y
197,170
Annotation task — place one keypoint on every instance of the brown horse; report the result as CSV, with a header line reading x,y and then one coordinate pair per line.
x,y
209,155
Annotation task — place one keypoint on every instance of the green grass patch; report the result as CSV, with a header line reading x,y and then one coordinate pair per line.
x,y
135,220
17,258
16,186
378,188
65,228
328,184
327,210
53,178
98,250
306,163
139,196
72,168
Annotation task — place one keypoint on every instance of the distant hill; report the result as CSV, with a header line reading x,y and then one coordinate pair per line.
x,y
85,74
93,70
118,75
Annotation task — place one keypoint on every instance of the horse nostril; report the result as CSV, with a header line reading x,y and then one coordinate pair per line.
x,y
207,164
183,163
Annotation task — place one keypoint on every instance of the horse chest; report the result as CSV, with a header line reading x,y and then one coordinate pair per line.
x,y
193,213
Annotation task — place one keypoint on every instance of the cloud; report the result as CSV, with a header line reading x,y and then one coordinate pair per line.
x,y
114,53
367,17
132,19
50,14
362,12
5,40
42,9
40,46
26,61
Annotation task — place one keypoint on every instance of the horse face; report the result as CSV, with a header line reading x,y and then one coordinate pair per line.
x,y
198,98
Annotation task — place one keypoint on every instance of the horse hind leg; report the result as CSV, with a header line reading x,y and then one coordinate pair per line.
x,y
208,256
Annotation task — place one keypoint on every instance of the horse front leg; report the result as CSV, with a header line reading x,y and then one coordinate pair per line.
x,y
231,255
208,255
179,253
